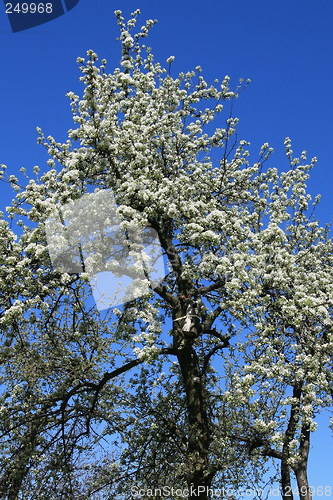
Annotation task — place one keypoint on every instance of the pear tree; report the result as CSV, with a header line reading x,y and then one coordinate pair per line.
x,y
109,403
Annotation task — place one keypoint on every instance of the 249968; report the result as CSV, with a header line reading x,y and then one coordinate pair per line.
x,y
29,8
320,491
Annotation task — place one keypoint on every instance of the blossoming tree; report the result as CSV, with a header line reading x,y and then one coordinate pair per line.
x,y
282,374
99,402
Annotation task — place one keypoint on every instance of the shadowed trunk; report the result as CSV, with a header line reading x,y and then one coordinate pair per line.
x,y
303,484
301,468
287,493
289,436
199,478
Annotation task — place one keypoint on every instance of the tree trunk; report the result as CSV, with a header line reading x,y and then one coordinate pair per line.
x,y
301,469
289,436
199,478
303,484
287,493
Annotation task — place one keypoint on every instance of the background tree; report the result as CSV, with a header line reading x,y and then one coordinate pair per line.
x,y
287,355
284,369
94,401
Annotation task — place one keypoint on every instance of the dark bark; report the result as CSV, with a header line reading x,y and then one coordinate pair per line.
x,y
303,483
287,493
301,468
199,477
289,436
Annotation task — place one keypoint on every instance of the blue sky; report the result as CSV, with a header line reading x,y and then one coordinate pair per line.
x,y
283,46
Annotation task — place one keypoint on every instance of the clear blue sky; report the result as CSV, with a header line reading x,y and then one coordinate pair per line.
x,y
284,47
